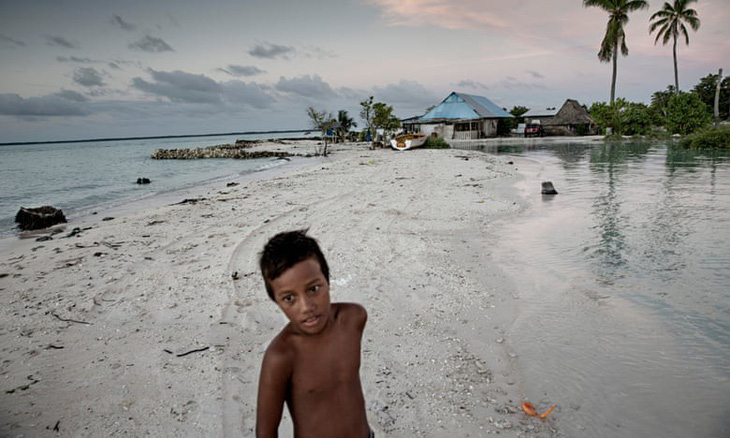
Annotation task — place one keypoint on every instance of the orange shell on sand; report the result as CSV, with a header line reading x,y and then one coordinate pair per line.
x,y
530,410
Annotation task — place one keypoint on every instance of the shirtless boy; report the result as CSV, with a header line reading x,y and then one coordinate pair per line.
x,y
313,364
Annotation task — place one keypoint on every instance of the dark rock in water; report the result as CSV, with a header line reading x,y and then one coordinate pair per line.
x,y
143,181
37,218
108,218
232,184
548,189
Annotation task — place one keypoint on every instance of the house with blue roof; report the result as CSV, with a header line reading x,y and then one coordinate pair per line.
x,y
459,117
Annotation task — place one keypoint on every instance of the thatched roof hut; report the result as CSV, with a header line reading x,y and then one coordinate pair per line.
x,y
571,119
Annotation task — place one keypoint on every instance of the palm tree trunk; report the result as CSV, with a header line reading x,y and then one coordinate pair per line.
x,y
613,78
676,75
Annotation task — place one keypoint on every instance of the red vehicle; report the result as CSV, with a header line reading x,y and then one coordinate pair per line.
x,y
534,130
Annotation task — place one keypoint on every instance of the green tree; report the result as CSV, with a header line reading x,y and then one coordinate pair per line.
x,y
606,116
636,119
323,121
686,113
615,37
367,114
705,89
659,101
383,118
670,22
344,124
623,117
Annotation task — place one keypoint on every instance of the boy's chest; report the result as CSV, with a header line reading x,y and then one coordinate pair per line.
x,y
327,366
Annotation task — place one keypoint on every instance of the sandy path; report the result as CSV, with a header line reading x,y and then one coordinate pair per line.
x,y
406,234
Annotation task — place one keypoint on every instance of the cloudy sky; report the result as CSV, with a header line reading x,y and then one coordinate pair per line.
x,y
76,69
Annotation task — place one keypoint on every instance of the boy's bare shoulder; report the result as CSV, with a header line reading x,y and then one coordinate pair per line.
x,y
281,351
351,313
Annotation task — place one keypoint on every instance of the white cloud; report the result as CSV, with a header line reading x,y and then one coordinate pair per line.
x,y
10,42
468,83
88,77
179,86
271,51
405,91
242,70
151,44
307,86
72,95
55,40
250,94
50,106
119,22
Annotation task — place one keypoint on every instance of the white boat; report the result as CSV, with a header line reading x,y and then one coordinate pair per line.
x,y
408,141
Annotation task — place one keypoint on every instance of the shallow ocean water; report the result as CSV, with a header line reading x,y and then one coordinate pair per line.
x,y
79,177
623,281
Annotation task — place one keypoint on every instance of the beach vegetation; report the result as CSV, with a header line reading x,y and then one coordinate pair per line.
x,y
383,118
615,36
344,124
712,138
436,143
669,22
686,113
705,90
367,114
624,117
505,126
323,121
659,101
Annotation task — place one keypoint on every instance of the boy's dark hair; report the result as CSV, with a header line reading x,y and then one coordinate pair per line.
x,y
285,250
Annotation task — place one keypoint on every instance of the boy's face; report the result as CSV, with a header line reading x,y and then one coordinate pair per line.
x,y
303,294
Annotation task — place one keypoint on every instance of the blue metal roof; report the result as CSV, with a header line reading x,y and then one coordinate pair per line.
x,y
460,106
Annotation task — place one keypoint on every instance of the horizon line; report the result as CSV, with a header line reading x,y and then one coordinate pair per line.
x,y
89,140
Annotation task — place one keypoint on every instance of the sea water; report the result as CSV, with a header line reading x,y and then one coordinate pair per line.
x,y
79,177
623,286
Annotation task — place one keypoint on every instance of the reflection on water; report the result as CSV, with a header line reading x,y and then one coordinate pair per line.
x,y
624,280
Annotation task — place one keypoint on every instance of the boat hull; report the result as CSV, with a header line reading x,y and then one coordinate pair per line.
x,y
408,141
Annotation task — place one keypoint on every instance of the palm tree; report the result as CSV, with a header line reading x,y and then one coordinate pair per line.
x,y
618,16
345,123
670,21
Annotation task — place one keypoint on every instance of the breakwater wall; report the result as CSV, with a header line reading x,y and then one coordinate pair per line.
x,y
241,151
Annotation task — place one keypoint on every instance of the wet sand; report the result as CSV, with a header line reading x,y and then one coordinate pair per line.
x,y
155,322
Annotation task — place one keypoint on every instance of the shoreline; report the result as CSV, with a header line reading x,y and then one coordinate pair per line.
x,y
103,320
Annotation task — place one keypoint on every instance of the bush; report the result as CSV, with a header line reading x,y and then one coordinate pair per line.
x,y
436,143
715,138
623,117
686,114
636,119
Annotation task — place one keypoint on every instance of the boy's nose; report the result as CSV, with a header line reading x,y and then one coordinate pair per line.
x,y
308,304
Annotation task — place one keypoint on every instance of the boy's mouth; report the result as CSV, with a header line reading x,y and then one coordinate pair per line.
x,y
312,321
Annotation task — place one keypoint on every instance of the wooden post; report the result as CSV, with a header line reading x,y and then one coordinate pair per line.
x,y
717,98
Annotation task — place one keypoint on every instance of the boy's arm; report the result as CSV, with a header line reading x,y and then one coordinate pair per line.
x,y
275,372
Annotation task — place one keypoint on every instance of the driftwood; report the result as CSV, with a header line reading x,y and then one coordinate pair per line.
x,y
37,218
70,320
197,350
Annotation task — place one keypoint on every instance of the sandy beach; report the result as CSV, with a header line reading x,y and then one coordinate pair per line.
x,y
154,323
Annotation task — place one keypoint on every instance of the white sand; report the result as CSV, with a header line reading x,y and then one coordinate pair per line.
x,y
91,326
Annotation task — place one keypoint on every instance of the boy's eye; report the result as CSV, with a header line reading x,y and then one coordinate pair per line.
x,y
288,298
314,288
